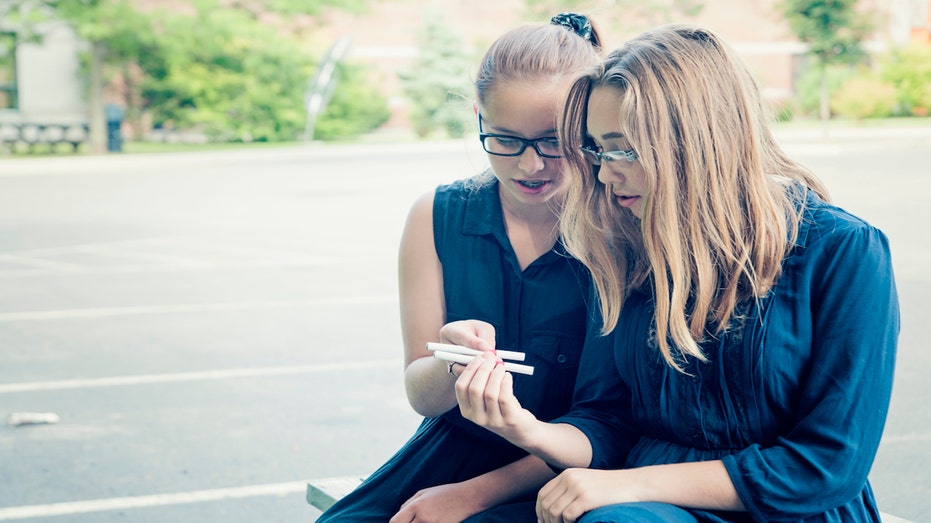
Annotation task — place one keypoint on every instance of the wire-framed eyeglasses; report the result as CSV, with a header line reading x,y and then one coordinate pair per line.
x,y
597,157
506,145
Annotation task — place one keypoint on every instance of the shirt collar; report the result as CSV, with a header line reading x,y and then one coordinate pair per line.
x,y
483,211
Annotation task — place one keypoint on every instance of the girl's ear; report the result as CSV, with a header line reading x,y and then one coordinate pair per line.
x,y
475,109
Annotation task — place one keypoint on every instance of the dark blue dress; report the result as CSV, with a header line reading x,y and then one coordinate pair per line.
x,y
793,399
540,311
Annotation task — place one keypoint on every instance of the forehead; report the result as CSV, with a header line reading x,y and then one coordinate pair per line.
x,y
524,108
603,119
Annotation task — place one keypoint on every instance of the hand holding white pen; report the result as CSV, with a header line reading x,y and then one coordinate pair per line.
x,y
485,394
464,355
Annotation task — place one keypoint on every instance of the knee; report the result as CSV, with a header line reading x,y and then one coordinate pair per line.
x,y
646,512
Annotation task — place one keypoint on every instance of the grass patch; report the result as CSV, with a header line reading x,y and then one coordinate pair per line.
x,y
161,147
21,150
846,123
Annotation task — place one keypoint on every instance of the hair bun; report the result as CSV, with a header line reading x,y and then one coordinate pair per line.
x,y
578,24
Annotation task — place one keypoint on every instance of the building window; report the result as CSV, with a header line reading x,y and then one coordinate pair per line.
x,y
8,98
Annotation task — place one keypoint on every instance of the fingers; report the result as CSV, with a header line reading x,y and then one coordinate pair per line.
x,y
478,388
493,393
574,492
474,334
552,503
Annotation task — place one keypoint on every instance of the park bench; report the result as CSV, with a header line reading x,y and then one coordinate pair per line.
x,y
50,134
322,493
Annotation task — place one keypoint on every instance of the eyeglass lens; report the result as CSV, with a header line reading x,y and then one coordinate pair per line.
x,y
597,157
513,146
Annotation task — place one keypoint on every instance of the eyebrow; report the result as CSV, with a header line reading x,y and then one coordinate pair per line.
x,y
507,132
612,136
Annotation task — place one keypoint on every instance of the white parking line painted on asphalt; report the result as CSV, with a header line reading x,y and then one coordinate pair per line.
x,y
150,255
101,312
32,263
154,500
222,374
146,268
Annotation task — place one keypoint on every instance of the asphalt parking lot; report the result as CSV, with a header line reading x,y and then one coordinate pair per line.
x,y
215,329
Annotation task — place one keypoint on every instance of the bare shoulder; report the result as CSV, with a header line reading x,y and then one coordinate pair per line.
x,y
418,230
422,208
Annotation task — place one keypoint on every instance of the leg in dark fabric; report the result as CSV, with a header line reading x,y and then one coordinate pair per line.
x,y
647,512
513,513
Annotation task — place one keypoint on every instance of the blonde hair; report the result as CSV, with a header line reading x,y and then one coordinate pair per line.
x,y
719,214
536,52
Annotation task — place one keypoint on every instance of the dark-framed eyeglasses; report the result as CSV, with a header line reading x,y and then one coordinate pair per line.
x,y
506,145
596,157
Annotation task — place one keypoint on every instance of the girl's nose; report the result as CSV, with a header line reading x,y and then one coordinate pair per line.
x,y
607,175
530,161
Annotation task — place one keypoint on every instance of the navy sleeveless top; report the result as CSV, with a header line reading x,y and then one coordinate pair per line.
x,y
540,311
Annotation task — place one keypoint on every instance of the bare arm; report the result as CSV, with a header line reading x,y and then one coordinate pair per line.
x,y
423,312
704,485
457,501
485,393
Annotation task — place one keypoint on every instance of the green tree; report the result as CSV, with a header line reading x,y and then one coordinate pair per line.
x,y
808,86
833,31
223,73
356,107
909,69
114,30
120,33
437,85
866,96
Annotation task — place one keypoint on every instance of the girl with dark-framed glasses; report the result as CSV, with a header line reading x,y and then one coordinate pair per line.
x,y
488,247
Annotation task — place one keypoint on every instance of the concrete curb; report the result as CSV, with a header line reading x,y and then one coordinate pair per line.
x,y
69,164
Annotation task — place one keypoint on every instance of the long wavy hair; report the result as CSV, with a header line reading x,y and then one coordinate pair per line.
x,y
719,212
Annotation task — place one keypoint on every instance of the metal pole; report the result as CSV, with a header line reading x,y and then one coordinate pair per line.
x,y
321,85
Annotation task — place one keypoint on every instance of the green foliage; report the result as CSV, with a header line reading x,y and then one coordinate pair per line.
x,y
808,85
223,73
833,29
117,23
438,82
8,98
355,108
210,66
865,97
909,69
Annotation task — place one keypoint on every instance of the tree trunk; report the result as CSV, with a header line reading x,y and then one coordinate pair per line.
x,y
98,125
825,97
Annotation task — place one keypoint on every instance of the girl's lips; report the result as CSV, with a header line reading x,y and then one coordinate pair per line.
x,y
626,201
532,186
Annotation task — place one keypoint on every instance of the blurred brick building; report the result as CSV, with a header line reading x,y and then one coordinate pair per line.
x,y
41,82
385,37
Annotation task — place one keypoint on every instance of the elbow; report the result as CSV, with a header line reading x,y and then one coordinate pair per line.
x,y
426,409
427,403
806,492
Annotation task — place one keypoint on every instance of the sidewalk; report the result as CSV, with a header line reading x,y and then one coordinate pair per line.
x,y
834,134
810,135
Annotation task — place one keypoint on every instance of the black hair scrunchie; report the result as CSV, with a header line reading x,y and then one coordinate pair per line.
x,y
578,24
